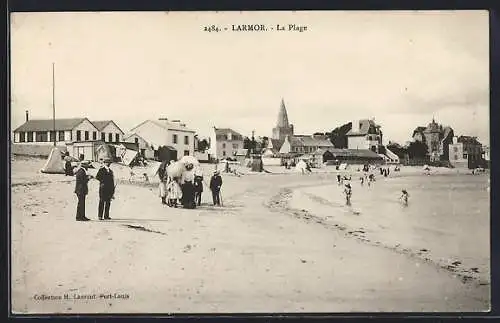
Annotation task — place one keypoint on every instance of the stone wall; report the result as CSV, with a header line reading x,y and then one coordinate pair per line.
x,y
33,150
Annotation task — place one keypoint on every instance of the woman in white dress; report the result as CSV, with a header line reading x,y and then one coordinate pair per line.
x,y
174,191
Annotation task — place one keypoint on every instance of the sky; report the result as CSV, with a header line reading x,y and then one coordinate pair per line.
x,y
400,68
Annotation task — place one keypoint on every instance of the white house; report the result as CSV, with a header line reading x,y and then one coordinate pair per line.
x,y
41,132
458,158
364,134
108,131
304,144
163,132
145,148
225,142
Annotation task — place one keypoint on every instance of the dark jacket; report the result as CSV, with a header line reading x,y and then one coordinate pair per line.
x,y
82,179
198,183
107,183
215,182
162,171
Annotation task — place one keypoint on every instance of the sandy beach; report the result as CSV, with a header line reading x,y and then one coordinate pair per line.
x,y
279,243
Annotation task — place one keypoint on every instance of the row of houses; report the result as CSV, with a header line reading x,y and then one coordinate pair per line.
x,y
81,136
364,144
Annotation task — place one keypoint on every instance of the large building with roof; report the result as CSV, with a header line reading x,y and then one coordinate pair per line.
x,y
172,134
225,142
437,138
364,134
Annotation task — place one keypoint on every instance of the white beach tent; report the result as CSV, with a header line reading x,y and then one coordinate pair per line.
x,y
54,164
343,166
301,166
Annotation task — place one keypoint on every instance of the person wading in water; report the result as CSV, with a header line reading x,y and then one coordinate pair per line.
x,y
348,193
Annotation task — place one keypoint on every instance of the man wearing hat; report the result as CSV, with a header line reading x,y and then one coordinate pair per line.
x,y
82,189
106,189
215,185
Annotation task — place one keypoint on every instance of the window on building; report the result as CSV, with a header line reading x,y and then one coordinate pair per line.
x,y
94,135
235,146
117,136
52,136
103,136
224,153
41,136
455,149
78,135
223,145
456,157
86,135
174,139
186,140
30,136
110,137
136,140
22,136
186,152
465,156
61,135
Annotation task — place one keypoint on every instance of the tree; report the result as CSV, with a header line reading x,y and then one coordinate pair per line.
x,y
247,143
417,150
397,149
338,136
203,145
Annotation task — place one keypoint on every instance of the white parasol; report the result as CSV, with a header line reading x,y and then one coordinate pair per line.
x,y
189,160
176,169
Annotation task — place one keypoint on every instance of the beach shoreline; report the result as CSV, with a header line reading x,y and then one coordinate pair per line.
x,y
250,255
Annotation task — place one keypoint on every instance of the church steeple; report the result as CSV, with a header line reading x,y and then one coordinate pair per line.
x,y
283,127
282,116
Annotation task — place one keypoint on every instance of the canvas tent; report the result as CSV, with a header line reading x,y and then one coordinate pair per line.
x,y
54,164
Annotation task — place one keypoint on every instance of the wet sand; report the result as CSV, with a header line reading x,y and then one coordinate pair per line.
x,y
257,253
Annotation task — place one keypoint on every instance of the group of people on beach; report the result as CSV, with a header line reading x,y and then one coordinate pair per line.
x,y
186,190
107,188
369,178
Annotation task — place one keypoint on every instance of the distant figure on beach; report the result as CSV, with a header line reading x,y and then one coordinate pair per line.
x,y
348,193
68,169
106,189
404,197
81,190
215,186
339,179
162,174
226,169
388,171
362,180
174,191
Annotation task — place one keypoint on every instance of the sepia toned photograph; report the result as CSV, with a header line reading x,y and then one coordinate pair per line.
x,y
249,162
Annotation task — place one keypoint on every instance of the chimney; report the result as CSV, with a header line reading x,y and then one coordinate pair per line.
x,y
163,119
27,116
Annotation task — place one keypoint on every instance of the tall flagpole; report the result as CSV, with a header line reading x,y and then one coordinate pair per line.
x,y
53,104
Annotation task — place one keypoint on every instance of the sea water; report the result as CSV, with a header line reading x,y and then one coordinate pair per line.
x,y
446,220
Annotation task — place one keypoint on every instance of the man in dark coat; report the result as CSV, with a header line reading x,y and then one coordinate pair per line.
x,y
198,189
106,189
215,185
81,190
68,168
